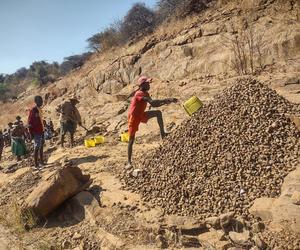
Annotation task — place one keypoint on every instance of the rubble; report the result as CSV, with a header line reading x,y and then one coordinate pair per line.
x,y
240,141
296,198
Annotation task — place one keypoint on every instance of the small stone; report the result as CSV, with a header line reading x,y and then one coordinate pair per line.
x,y
239,238
77,236
296,197
274,125
136,172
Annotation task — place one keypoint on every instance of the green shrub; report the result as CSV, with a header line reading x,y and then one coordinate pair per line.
x,y
4,89
139,21
105,39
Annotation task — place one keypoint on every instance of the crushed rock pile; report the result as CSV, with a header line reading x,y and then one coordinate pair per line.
x,y
237,148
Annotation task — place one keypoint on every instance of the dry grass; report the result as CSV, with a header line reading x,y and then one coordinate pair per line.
x,y
17,219
43,244
175,26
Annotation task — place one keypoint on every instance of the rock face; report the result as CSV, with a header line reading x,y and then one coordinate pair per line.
x,y
55,189
234,150
283,208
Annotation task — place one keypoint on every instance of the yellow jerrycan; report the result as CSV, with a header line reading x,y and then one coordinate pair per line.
x,y
192,105
124,137
89,143
99,139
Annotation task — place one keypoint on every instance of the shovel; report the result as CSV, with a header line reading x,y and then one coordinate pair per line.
x,y
87,131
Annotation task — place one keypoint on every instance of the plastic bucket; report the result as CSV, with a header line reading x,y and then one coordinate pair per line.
x,y
99,139
192,105
89,143
124,137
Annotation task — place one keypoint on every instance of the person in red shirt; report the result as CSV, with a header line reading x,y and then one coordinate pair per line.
x,y
137,113
36,129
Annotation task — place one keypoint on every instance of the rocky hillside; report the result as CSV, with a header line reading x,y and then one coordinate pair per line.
x,y
231,41
192,56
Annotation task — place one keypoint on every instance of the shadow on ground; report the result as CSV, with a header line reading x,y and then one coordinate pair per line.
x,y
87,159
72,212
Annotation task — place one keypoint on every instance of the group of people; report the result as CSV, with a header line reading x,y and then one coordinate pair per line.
x,y
37,129
18,135
15,135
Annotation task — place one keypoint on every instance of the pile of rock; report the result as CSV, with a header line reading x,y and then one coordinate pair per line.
x,y
237,148
280,239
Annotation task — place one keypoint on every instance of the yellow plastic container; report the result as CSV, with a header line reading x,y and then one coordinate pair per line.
x,y
192,105
99,139
89,143
124,137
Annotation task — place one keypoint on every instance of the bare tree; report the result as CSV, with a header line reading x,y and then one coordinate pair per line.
x,y
247,49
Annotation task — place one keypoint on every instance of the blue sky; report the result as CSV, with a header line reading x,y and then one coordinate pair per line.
x,y
34,30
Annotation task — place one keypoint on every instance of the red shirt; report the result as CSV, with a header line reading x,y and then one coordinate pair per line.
x,y
138,105
34,122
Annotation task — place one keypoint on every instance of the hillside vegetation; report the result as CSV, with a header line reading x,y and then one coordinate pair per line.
x,y
137,23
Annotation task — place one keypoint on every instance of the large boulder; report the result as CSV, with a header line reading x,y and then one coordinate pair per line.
x,y
55,188
296,198
277,210
284,207
291,183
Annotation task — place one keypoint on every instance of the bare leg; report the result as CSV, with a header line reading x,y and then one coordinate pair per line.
x,y
130,146
36,161
62,139
41,154
72,139
157,113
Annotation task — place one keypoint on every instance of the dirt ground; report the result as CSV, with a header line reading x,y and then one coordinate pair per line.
x,y
122,220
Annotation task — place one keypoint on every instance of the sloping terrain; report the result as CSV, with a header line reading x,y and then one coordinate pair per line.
x,y
186,57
